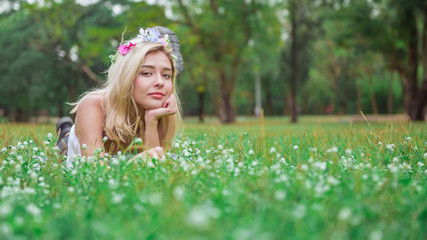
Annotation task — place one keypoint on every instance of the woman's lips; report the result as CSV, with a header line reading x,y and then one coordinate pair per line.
x,y
156,95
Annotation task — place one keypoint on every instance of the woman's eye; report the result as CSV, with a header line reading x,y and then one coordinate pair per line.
x,y
146,74
167,76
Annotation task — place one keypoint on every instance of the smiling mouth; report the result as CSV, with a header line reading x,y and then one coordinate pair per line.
x,y
156,95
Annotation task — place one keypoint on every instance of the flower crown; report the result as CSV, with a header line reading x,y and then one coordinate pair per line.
x,y
146,35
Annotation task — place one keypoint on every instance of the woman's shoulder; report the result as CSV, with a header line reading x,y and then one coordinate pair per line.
x,y
91,103
92,100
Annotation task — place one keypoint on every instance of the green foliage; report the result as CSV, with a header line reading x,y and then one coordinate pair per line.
x,y
321,180
345,52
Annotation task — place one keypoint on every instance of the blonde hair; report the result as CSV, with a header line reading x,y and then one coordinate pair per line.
x,y
123,119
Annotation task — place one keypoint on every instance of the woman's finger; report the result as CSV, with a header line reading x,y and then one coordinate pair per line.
x,y
168,100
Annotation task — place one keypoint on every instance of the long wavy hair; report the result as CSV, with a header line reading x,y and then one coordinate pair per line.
x,y
124,120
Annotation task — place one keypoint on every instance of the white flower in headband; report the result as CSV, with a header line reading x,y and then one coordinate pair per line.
x,y
147,35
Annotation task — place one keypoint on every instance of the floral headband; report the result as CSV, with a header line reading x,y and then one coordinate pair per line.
x,y
146,35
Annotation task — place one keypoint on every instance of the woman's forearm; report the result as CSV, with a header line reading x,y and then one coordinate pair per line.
x,y
151,134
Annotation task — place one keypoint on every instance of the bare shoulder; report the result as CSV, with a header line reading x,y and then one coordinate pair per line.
x,y
90,113
91,102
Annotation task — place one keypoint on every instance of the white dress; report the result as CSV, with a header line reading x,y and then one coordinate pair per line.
x,y
73,146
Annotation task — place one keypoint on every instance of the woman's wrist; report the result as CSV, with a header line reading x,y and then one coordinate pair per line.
x,y
150,119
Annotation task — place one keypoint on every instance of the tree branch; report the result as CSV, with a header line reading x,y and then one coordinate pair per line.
x,y
184,11
90,74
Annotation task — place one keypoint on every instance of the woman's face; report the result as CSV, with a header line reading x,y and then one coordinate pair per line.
x,y
153,84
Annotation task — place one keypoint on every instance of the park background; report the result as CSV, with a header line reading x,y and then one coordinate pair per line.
x,y
337,174
287,57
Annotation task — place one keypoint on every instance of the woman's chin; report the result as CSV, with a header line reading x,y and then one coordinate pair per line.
x,y
153,106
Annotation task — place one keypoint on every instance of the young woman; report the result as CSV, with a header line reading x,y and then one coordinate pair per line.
x,y
139,100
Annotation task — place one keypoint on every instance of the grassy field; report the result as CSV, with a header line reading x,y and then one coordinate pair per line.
x,y
251,180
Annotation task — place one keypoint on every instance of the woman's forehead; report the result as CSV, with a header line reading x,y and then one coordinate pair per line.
x,y
157,59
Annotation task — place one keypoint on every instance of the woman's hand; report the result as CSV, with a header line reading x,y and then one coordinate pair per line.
x,y
169,107
156,153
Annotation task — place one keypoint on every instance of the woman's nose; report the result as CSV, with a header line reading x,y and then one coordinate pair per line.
x,y
158,80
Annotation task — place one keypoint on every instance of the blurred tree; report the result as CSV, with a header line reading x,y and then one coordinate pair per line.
x,y
224,29
302,26
391,27
65,50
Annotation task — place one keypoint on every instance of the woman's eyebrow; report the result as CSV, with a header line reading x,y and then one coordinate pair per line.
x,y
149,66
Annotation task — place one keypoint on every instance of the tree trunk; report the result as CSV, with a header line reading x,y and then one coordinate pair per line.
x,y
268,98
420,100
201,108
294,59
413,104
390,98
226,110
359,98
374,103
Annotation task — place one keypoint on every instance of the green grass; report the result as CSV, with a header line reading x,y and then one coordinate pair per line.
x,y
322,180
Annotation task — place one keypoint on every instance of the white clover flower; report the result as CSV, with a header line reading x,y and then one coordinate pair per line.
x,y
395,160
84,146
220,147
176,145
380,143
33,175
3,150
117,198
304,167
115,161
408,138
20,146
200,216
415,148
420,164
33,209
299,211
272,150
138,141
390,147
425,155
104,139
344,214
295,147
49,135
392,168
155,198
348,151
280,195
376,235
251,152
5,229
331,180
178,192
186,153
5,209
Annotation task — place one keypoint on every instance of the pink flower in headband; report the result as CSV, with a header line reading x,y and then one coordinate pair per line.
x,y
164,42
124,49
